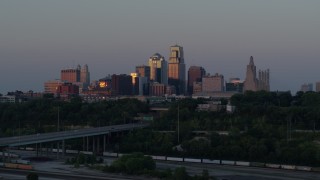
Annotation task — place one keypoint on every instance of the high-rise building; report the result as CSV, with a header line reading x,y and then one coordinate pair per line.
x,y
121,84
85,76
142,86
251,82
263,81
71,75
135,86
143,71
213,83
195,74
177,69
158,69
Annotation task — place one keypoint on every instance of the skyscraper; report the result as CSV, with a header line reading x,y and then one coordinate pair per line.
x,y
177,69
85,76
70,75
121,84
195,74
143,71
158,69
251,82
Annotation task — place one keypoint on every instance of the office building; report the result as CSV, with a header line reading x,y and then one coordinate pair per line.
x,y
157,89
251,82
71,75
67,90
135,83
177,69
51,87
121,84
158,69
142,86
197,87
85,76
143,71
195,74
213,83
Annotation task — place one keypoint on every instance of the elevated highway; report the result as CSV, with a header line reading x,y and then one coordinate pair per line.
x,y
64,135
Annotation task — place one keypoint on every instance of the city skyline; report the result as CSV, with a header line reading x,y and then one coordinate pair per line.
x,y
38,39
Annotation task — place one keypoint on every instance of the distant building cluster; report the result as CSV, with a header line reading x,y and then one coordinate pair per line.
x,y
158,78
71,82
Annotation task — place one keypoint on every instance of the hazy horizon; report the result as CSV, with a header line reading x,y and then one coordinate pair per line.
x,y
39,38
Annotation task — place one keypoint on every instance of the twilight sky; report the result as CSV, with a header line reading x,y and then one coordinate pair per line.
x,y
38,38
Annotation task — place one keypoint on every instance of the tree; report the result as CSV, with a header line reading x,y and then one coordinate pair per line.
x,y
32,176
180,173
134,163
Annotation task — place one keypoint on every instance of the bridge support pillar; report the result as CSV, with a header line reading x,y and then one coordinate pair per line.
x,y
40,149
3,155
47,150
63,148
108,140
98,144
87,143
83,141
51,150
37,151
58,150
93,145
104,143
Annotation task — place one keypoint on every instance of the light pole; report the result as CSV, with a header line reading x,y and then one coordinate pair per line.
x,y
178,123
58,118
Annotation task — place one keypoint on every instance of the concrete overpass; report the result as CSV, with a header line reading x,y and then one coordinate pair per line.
x,y
64,135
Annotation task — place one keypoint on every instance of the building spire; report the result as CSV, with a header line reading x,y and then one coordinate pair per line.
x,y
251,61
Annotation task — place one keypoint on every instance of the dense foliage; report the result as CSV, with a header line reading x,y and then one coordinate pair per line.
x,y
138,164
266,126
135,163
42,115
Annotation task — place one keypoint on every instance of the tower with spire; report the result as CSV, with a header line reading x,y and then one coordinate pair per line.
x,y
251,82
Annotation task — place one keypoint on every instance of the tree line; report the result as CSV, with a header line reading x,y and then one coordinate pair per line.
x,y
266,126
